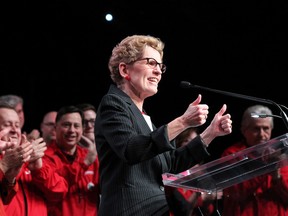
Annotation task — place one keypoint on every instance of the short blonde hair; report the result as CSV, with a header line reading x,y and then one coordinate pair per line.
x,y
130,49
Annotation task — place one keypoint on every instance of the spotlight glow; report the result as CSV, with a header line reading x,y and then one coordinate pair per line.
x,y
109,17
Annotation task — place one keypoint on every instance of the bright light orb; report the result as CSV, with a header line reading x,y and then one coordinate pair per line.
x,y
109,17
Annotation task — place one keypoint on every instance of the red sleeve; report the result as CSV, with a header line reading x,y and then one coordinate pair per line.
x,y
78,167
49,181
280,187
8,191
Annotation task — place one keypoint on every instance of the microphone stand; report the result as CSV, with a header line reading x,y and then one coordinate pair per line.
x,y
186,84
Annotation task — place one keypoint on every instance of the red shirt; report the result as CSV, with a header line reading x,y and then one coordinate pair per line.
x,y
71,187
29,200
260,196
7,192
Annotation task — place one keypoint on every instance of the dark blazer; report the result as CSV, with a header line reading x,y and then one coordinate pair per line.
x,y
133,159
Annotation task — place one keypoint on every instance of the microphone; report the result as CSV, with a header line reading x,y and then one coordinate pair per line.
x,y
260,115
186,84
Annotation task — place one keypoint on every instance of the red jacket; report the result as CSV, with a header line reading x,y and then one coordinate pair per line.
x,y
260,196
7,192
29,200
71,187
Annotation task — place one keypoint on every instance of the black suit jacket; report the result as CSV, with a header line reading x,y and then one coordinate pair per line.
x,y
133,158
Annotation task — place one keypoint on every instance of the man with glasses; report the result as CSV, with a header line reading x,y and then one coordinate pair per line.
x,y
47,127
89,112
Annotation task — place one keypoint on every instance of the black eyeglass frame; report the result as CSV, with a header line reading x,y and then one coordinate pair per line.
x,y
162,66
91,121
49,124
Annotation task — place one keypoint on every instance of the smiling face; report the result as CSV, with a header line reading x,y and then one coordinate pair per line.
x,y
144,78
10,119
69,130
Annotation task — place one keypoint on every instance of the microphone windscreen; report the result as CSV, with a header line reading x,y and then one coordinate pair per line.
x,y
185,84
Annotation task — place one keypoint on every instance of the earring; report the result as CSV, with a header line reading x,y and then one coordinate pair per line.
x,y
127,77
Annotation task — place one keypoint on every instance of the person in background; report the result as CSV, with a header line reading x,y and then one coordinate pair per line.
x,y
47,127
28,200
8,184
186,136
13,162
17,103
133,153
264,195
69,176
89,112
185,202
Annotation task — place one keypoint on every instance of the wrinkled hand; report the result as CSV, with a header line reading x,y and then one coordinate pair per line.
x,y
5,144
196,113
220,125
15,157
276,174
33,135
91,147
18,154
39,148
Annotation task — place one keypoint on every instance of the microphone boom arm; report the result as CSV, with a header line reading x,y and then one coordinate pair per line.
x,y
186,84
235,94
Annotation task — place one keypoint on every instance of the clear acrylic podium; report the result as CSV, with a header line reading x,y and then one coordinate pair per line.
x,y
233,169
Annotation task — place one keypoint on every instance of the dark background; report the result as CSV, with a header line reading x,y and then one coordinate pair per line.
x,y
55,53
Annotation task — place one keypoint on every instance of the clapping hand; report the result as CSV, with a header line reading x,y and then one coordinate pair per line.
x,y
91,147
39,148
15,157
5,144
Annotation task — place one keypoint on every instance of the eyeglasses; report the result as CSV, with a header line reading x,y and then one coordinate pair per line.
x,y
91,121
153,63
49,124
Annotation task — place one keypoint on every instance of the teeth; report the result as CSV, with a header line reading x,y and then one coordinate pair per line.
x,y
153,80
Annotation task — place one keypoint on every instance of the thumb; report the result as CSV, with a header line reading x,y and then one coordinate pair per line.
x,y
23,138
197,100
222,110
